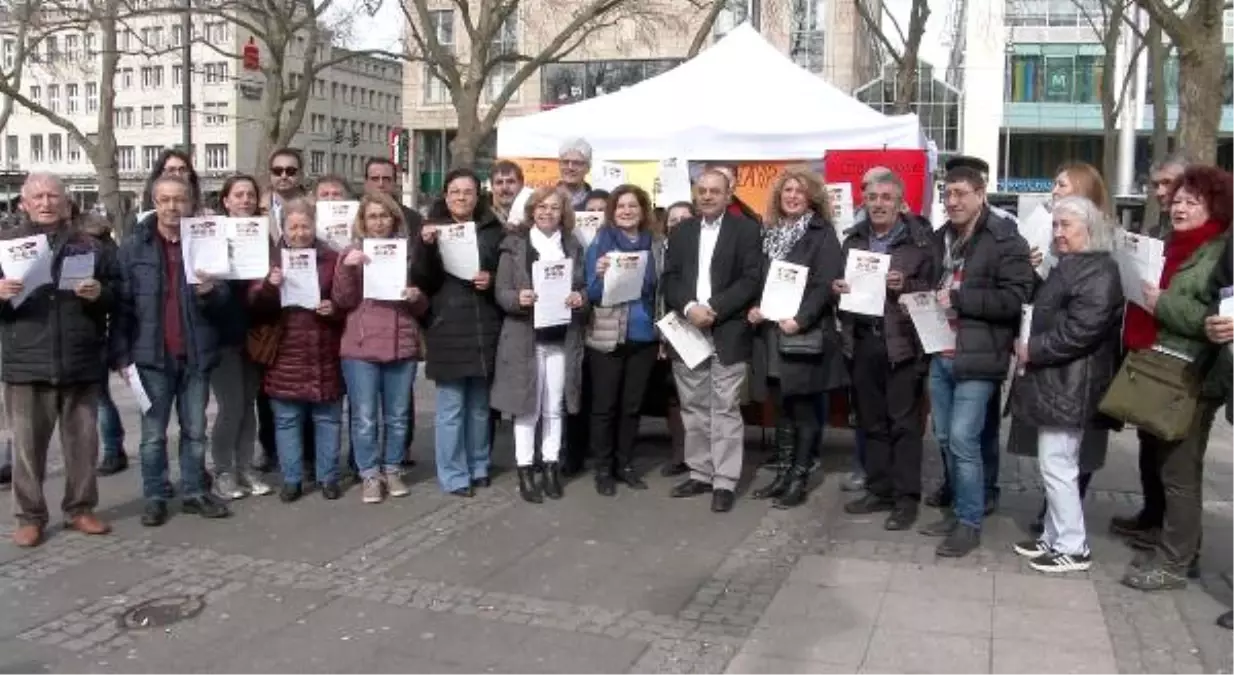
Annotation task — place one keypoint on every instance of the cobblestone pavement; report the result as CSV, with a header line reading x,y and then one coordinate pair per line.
x,y
636,583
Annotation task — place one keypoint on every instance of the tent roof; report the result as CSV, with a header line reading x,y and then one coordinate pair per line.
x,y
739,100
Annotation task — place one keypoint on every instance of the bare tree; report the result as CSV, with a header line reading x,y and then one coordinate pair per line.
x,y
41,19
1195,30
298,40
485,69
903,50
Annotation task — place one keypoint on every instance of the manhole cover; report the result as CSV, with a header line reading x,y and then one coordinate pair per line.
x,y
161,612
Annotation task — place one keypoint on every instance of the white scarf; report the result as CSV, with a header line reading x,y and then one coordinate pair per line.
x,y
548,246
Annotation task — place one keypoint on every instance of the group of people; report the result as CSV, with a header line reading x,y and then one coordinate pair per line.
x,y
578,389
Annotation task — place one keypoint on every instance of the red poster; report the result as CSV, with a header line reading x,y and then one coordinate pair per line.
x,y
848,166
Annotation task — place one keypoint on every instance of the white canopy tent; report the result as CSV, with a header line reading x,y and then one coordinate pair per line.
x,y
739,100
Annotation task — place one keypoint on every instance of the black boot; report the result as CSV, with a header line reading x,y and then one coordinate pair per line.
x,y
798,488
786,446
528,489
552,480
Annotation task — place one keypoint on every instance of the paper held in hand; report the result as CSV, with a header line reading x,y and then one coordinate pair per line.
x,y
586,225
334,222
866,274
1140,259
29,260
691,345
607,175
551,282
133,380
623,282
930,321
385,273
75,269
460,254
248,247
785,287
841,207
1026,329
1037,228
301,287
203,245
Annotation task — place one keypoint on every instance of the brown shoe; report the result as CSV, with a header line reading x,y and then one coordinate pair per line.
x,y
88,523
28,536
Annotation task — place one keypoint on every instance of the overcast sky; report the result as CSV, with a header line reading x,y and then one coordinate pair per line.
x,y
384,30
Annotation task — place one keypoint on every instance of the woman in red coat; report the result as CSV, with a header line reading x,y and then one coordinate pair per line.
x,y
305,380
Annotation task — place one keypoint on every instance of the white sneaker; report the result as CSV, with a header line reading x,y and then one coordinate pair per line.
x,y
227,487
395,486
256,485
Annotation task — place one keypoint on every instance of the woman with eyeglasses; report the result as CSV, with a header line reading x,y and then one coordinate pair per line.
x,y
462,334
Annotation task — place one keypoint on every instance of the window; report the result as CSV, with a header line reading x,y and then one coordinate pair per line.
x,y
442,23
1062,13
124,118
153,116
10,52
12,150
806,42
74,153
216,31
156,37
177,115
126,158
150,156
70,99
36,93
124,41
71,47
36,149
216,73
435,90
126,78
176,36
55,148
317,162
53,97
53,48
734,14
176,73
215,114
506,40
152,77
498,78
91,50
92,97
568,82
217,156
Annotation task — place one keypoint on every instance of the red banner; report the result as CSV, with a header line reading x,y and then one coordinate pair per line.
x,y
912,166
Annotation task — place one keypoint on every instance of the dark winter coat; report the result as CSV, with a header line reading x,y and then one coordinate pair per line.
x,y
306,366
55,337
137,325
914,253
819,250
514,386
463,323
998,281
1074,344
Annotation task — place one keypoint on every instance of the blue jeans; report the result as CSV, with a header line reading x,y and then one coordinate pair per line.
x,y
989,443
289,418
380,396
111,429
959,412
462,426
189,391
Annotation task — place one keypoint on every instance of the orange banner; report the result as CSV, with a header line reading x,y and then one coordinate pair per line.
x,y
538,173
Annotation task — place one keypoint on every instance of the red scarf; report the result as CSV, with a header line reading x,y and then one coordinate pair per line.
x,y
1140,329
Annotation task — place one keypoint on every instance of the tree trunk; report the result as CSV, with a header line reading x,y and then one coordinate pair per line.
x,y
906,84
1160,142
469,136
102,152
1111,87
1201,64
704,31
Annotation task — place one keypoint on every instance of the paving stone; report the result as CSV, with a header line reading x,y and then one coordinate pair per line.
x,y
1057,627
1043,592
892,651
746,662
902,612
942,583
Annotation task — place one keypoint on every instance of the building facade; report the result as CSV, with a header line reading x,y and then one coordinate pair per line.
x,y
351,109
1032,75
827,37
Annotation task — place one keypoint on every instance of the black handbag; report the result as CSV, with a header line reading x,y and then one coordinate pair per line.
x,y
803,343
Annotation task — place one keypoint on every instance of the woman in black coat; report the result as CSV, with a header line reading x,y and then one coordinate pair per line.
x,y
1064,368
796,359
464,323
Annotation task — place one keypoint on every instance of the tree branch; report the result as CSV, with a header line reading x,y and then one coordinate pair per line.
x,y
704,31
877,29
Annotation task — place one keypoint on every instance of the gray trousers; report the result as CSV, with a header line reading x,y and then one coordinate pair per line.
x,y
34,411
711,413
234,384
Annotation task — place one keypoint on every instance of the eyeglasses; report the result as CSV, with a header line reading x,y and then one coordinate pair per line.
x,y
176,170
381,179
289,171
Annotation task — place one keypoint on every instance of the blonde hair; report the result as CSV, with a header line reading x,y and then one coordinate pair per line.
x,y
1086,182
359,229
538,196
816,193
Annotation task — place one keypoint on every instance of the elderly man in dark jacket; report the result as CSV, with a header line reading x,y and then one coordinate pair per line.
x,y
986,280
888,366
54,342
166,327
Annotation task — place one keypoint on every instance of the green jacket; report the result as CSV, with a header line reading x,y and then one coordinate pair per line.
x,y
1183,306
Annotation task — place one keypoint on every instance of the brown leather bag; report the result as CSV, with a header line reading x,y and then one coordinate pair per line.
x,y
262,342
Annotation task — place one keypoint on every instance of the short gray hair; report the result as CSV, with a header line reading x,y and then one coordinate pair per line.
x,y
888,178
579,145
874,174
1179,158
172,179
1100,227
300,205
42,178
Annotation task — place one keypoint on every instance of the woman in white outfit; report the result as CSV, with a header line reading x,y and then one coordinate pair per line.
x,y
539,368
